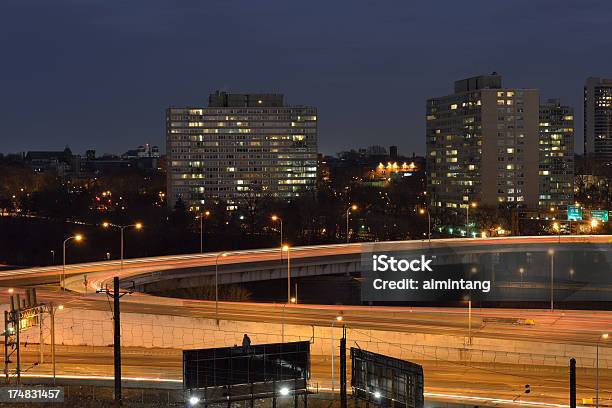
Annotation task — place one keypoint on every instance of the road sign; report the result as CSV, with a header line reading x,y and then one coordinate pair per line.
x,y
599,215
574,213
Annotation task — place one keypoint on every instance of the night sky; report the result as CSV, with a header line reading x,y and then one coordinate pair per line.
x,y
99,73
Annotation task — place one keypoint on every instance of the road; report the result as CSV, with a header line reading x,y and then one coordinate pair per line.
x,y
444,381
570,327
99,274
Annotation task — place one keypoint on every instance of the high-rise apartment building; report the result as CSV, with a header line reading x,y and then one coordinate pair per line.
x,y
598,118
240,146
482,145
556,151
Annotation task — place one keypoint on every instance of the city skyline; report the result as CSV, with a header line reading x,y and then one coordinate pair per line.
x,y
345,70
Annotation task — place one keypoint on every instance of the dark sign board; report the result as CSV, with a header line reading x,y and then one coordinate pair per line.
x,y
231,373
386,381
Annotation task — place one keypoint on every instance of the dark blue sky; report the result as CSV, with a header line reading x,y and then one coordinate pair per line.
x,y
99,73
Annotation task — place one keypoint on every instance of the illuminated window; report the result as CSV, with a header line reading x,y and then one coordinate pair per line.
x,y
454,106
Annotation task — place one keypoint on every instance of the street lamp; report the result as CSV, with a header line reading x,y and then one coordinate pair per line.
x,y
223,254
348,212
521,271
280,220
423,211
551,252
287,248
201,217
467,217
469,321
77,238
602,337
338,319
137,226
52,309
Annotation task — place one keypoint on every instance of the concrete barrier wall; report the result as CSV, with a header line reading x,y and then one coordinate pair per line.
x,y
95,328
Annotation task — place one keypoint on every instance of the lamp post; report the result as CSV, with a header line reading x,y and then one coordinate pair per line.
x,y
293,300
122,228
223,254
287,248
467,217
423,211
551,252
602,337
521,272
77,238
348,212
470,321
202,215
280,220
337,319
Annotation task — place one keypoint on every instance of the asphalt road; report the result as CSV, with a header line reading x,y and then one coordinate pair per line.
x,y
570,327
444,381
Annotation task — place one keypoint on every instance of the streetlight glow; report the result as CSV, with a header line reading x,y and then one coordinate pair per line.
x,y
339,318
286,248
138,225
78,237
604,336
194,400
354,207
284,391
377,394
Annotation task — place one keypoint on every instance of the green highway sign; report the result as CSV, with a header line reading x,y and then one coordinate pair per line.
x,y
574,213
599,215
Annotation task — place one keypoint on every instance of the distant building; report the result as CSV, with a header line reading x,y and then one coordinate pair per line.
x,y
141,152
60,162
556,149
241,145
359,168
482,145
598,118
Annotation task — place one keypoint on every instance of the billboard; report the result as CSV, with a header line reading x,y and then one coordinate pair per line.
x,y
386,381
234,374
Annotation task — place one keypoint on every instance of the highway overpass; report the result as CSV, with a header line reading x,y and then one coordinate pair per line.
x,y
500,353
516,265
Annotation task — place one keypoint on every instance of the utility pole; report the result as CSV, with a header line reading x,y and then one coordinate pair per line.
x,y
343,368
117,342
116,294
572,403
